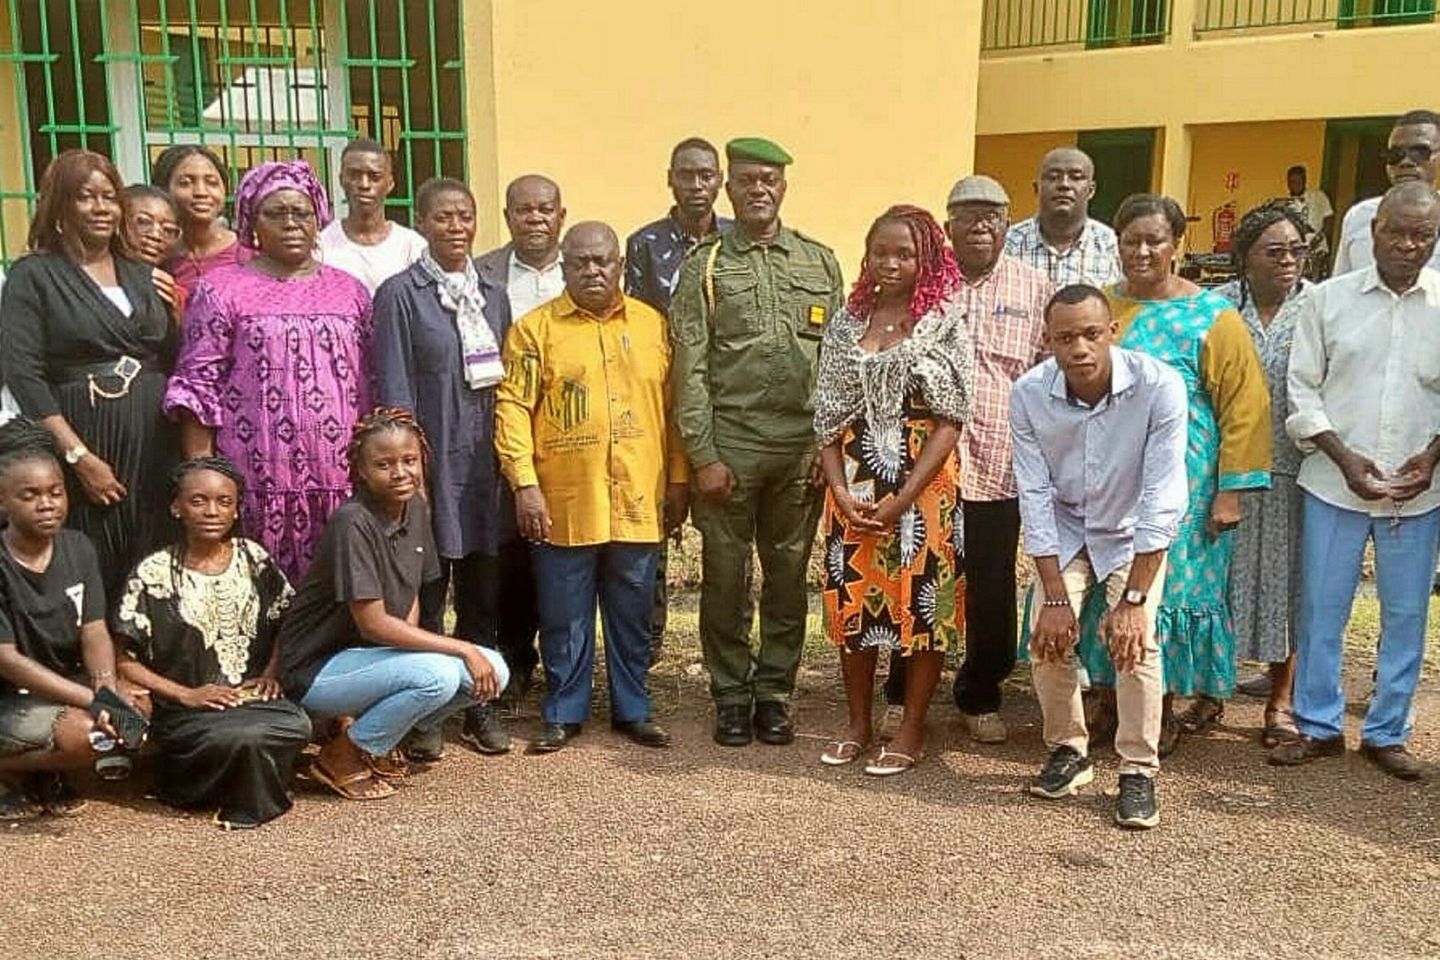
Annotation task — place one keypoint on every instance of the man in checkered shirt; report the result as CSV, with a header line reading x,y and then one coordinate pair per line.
x,y
1061,241
1004,302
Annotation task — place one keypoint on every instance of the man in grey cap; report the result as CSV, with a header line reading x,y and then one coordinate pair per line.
x,y
1004,300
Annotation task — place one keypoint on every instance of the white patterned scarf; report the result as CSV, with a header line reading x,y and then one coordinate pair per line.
x,y
480,354
852,382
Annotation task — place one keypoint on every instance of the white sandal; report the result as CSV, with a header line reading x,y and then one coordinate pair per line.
x,y
836,756
879,768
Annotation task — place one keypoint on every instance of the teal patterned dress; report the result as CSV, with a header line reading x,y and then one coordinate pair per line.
x,y
1205,339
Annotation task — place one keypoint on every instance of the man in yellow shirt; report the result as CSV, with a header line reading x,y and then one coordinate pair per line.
x,y
583,435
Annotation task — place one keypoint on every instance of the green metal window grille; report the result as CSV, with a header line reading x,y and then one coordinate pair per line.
x,y
253,80
1221,15
1028,24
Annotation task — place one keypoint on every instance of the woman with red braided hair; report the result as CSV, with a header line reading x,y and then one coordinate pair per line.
x,y
894,385
351,649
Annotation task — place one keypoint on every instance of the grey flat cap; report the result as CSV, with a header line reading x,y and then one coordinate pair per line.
x,y
977,188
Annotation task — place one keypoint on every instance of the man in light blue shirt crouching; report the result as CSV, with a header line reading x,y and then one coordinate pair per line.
x,y
1100,437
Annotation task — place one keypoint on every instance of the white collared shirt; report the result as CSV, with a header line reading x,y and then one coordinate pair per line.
x,y
1108,479
1356,249
1366,364
530,288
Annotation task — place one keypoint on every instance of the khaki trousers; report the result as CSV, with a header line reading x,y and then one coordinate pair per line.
x,y
1138,694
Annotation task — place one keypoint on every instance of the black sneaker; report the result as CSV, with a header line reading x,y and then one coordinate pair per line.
x,y
424,746
1064,774
483,731
1136,807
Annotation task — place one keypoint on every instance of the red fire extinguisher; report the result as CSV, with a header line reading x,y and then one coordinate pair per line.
x,y
1222,225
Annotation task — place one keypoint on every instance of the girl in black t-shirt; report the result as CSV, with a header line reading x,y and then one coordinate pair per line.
x,y
55,652
351,647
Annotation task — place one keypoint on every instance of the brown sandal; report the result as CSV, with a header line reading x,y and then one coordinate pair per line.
x,y
1279,727
1201,715
392,766
360,784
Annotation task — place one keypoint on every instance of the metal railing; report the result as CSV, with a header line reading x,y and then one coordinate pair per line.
x,y
1082,24
1091,24
282,79
1221,15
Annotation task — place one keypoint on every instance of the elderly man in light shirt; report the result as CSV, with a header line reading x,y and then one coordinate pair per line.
x,y
1365,407
1099,449
528,267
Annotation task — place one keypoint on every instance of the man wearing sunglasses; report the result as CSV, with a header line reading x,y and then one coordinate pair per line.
x,y
1413,154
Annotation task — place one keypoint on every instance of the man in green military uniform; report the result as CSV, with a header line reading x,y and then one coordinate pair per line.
x,y
747,318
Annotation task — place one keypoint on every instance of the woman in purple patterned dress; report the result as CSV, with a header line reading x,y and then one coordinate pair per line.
x,y
275,366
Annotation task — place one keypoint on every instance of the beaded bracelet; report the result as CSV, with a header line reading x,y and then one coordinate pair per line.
x,y
1056,603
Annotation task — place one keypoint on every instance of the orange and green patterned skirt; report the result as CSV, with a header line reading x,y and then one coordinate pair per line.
x,y
897,590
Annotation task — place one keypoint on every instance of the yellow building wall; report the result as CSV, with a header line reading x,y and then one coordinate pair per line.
x,y
595,95
1258,154
1013,160
14,213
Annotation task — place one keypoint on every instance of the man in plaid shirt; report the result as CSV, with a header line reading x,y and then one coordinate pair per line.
x,y
1061,241
1004,302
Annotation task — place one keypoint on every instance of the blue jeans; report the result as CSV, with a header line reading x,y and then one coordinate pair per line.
x,y
569,581
1331,549
389,692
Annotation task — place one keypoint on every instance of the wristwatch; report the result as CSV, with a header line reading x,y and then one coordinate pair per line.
x,y
1133,597
76,453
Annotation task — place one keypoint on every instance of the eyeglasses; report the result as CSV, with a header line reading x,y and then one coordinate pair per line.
x,y
1415,152
1279,253
146,225
284,214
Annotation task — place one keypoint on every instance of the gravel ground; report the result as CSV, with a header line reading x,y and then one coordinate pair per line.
x,y
609,850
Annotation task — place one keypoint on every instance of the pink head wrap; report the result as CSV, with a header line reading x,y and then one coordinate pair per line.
x,y
259,182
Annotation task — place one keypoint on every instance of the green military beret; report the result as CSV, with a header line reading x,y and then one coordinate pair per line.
x,y
757,150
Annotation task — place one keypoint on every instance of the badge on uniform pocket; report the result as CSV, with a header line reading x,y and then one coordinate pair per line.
x,y
817,316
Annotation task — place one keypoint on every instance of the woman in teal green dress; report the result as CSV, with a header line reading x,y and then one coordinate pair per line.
x,y
1202,336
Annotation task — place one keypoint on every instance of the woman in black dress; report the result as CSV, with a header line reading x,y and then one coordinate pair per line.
x,y
86,345
197,624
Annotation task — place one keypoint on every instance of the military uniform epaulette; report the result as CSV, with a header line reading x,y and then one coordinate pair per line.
x,y
810,240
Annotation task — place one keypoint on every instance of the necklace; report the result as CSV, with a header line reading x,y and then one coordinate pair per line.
x,y
35,563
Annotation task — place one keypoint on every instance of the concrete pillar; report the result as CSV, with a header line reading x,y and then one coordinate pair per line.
x,y
481,142
1175,149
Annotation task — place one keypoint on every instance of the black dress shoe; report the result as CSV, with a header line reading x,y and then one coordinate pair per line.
x,y
647,733
772,723
1394,761
732,725
553,736
483,731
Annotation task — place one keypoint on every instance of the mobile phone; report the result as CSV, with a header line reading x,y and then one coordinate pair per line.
x,y
130,724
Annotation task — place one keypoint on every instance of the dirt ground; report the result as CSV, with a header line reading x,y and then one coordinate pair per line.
x,y
610,850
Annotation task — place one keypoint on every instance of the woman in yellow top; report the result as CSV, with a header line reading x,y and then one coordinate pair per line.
x,y
1202,336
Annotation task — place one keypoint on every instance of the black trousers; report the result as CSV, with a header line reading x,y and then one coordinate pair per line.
x,y
494,604
992,535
